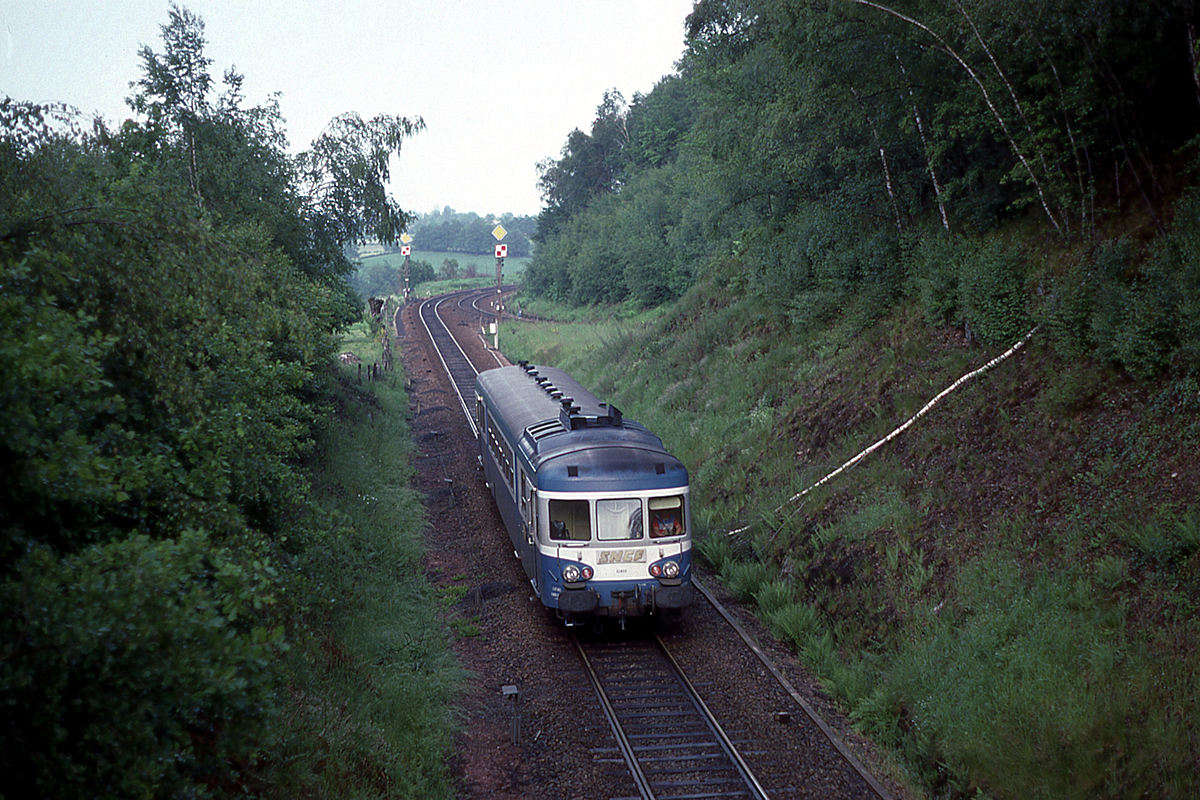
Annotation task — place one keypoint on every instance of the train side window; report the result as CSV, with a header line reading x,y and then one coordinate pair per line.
x,y
503,456
526,492
570,521
666,516
618,519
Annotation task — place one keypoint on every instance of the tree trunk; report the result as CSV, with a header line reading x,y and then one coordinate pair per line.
x,y
987,98
887,172
937,186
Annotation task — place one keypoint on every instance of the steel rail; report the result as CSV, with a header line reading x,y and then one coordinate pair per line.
x,y
432,305
809,711
735,766
727,744
640,781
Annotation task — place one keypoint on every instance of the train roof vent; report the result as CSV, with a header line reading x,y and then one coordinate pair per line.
x,y
540,430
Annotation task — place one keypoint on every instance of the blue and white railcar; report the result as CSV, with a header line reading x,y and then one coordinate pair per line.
x,y
597,510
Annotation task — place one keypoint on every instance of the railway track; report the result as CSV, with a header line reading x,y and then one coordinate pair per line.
x,y
671,744
453,358
668,738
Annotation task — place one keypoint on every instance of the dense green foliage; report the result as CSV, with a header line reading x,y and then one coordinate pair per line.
x,y
847,149
170,294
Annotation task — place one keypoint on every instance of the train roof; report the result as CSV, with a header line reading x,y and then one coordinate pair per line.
x,y
574,441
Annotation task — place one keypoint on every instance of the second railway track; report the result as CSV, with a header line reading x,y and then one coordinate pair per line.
x,y
454,359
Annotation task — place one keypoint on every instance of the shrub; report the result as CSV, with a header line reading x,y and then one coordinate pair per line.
x,y
933,278
745,577
1166,539
773,595
134,668
1138,317
795,622
989,288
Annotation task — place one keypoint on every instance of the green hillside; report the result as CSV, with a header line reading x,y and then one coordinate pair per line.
x,y
834,212
1005,593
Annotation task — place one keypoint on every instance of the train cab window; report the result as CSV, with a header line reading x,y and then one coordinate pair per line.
x,y
570,521
666,516
618,519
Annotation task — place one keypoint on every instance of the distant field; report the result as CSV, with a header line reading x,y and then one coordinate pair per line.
x,y
484,264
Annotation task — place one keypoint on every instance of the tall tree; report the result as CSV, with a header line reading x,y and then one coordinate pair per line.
x,y
344,176
588,167
175,85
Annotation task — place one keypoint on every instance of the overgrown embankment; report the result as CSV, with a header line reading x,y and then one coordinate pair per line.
x,y
1005,594
372,677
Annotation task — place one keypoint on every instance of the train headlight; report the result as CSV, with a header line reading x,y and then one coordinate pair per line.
x,y
665,569
573,573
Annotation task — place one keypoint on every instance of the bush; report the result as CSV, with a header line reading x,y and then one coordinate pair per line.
x,y
989,288
1135,317
795,622
134,668
933,278
745,578
958,280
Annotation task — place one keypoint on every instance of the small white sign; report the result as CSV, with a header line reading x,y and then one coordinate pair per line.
x,y
406,250
501,250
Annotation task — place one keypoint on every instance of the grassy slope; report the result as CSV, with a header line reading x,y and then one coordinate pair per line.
x,y
1006,594
374,681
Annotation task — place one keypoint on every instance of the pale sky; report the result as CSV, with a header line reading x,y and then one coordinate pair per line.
x,y
499,84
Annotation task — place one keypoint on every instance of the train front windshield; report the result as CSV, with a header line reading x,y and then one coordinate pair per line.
x,y
621,519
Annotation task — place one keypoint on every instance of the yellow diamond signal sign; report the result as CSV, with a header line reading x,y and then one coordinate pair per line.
x,y
405,237
499,232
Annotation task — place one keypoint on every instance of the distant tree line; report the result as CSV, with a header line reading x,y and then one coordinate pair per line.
x,y
817,153
436,237
450,231
380,277
170,291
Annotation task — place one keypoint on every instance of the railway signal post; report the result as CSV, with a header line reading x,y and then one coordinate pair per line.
x,y
406,251
499,232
